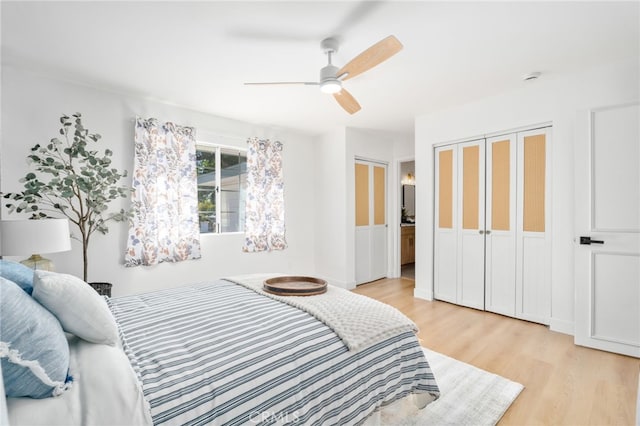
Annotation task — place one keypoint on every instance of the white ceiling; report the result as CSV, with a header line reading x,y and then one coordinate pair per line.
x,y
198,54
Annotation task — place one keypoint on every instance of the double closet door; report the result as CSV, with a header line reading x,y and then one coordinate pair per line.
x,y
491,246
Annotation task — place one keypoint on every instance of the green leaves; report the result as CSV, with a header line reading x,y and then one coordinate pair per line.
x,y
71,179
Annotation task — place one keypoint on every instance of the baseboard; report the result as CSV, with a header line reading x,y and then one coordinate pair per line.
x,y
562,326
347,285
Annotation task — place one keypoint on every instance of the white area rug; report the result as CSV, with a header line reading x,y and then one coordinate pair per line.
x,y
469,396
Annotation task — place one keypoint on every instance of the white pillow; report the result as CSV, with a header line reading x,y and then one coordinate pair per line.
x,y
78,307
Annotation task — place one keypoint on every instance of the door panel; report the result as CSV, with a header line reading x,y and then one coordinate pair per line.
x,y
500,238
459,224
362,195
363,255
471,187
501,184
615,307
445,183
500,276
533,245
471,284
379,196
616,183
471,199
371,227
607,275
446,236
534,159
533,297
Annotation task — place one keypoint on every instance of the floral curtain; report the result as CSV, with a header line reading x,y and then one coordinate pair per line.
x,y
165,197
264,221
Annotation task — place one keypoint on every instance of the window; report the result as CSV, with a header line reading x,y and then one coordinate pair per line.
x,y
222,180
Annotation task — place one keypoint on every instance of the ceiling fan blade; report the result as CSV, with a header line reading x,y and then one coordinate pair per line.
x,y
347,101
306,83
376,54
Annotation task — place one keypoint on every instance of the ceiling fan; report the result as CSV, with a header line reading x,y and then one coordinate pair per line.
x,y
331,77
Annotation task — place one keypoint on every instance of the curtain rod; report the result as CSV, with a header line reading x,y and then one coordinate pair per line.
x,y
210,133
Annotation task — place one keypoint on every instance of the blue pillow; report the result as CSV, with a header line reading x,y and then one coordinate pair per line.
x,y
18,273
33,348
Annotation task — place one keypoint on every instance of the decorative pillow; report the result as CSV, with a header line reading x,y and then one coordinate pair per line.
x,y
33,348
18,273
77,306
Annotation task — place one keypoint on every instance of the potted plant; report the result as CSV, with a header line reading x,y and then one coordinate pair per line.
x,y
72,180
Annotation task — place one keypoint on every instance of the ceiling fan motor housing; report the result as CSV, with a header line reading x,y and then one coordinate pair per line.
x,y
328,73
329,83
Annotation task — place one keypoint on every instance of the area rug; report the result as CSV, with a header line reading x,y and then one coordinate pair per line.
x,y
469,396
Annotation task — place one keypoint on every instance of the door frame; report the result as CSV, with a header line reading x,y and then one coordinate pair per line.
x,y
396,220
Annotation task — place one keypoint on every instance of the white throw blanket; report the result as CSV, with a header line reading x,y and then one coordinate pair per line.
x,y
358,320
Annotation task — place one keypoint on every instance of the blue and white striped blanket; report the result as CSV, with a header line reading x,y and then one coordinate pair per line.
x,y
219,353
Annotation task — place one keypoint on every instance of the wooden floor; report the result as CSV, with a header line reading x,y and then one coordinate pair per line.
x,y
564,384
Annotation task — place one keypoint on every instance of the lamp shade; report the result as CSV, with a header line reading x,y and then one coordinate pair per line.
x,y
26,236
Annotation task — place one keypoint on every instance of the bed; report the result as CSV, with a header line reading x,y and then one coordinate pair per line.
x,y
226,352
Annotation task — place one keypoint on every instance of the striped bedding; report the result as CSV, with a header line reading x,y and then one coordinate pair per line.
x,y
219,353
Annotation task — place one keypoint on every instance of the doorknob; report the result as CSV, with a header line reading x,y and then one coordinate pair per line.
x,y
588,241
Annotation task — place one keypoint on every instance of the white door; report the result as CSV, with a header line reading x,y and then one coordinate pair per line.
x,y
607,218
371,221
471,202
533,245
500,234
445,274
459,224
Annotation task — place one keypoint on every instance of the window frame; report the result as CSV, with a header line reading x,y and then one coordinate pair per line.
x,y
218,148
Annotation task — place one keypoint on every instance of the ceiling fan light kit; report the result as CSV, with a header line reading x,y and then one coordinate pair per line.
x,y
331,77
331,86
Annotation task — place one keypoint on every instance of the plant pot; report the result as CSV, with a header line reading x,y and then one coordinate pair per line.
x,y
103,289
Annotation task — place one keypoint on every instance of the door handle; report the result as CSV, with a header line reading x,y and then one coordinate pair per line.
x,y
588,241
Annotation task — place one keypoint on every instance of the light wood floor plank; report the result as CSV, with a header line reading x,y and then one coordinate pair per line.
x,y
564,384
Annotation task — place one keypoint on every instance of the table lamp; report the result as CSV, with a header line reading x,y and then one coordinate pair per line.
x,y
33,237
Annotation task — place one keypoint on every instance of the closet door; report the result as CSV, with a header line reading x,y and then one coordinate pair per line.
x,y
459,224
491,231
500,234
445,230
471,202
371,221
533,269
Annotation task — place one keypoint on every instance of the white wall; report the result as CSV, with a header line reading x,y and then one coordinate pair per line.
x,y
31,107
554,99
331,199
